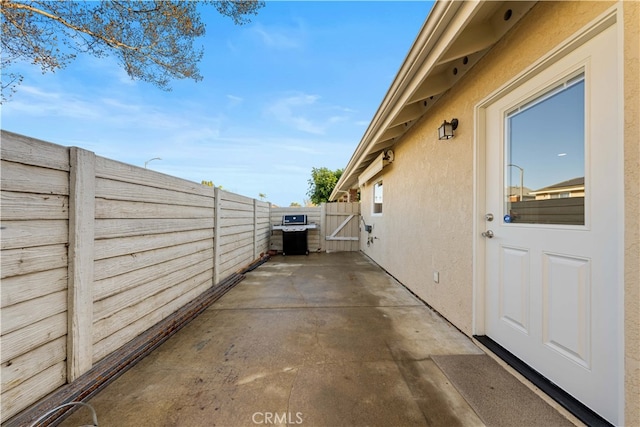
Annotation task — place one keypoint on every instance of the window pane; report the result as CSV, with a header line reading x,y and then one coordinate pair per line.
x,y
377,197
544,158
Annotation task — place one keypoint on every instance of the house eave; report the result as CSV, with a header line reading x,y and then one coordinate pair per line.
x,y
453,38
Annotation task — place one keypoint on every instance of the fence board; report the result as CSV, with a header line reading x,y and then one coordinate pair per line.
x,y
118,171
26,234
232,250
26,366
36,387
24,206
33,336
109,248
106,208
136,310
119,265
193,265
22,149
225,195
114,341
233,265
15,262
236,240
26,313
229,226
110,228
33,179
238,227
232,207
116,190
17,289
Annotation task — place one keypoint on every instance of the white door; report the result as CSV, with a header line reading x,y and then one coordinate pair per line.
x,y
554,189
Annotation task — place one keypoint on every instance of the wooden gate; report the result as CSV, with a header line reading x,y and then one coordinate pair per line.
x,y
341,228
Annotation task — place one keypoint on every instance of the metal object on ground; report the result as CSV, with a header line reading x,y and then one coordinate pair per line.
x,y
294,234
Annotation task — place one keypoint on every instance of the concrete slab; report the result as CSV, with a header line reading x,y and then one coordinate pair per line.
x,y
323,340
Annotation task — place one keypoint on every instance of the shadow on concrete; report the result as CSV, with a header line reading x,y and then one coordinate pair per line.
x,y
319,340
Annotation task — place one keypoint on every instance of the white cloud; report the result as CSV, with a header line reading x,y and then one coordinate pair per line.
x,y
289,111
279,38
234,101
338,119
39,103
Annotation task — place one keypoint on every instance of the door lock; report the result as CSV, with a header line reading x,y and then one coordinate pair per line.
x,y
489,217
488,234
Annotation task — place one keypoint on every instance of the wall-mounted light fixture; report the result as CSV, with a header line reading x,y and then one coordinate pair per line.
x,y
445,131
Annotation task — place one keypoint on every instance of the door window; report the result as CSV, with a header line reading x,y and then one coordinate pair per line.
x,y
544,158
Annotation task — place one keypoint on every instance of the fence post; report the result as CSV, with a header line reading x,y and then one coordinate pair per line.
x,y
323,226
255,229
216,234
80,270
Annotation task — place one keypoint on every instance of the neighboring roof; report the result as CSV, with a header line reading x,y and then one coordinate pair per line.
x,y
571,183
455,35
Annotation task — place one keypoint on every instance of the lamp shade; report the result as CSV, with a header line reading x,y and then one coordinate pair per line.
x,y
445,131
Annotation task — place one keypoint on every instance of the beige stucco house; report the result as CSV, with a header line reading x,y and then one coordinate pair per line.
x,y
542,92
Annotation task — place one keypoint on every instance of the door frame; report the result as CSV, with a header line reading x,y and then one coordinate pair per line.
x,y
612,17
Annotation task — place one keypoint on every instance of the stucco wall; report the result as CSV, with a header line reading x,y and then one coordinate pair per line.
x,y
632,210
430,183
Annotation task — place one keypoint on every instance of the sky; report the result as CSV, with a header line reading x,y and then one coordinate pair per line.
x,y
294,89
542,151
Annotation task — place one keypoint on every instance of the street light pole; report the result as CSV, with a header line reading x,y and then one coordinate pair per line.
x,y
147,162
521,179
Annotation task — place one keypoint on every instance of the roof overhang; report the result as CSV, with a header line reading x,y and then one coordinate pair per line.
x,y
454,37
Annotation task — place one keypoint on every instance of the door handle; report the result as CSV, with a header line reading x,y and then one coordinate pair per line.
x,y
488,234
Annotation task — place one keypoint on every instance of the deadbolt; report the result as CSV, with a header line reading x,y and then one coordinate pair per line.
x,y
489,217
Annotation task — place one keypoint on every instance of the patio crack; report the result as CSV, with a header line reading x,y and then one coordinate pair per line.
x,y
317,324
293,383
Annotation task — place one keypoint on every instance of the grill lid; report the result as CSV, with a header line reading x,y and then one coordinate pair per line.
x,y
294,220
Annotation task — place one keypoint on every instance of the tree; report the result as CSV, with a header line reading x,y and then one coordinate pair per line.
x,y
262,196
322,183
210,184
153,40
295,205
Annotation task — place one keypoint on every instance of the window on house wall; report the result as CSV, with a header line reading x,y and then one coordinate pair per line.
x,y
377,198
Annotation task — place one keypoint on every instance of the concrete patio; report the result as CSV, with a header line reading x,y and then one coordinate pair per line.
x,y
323,340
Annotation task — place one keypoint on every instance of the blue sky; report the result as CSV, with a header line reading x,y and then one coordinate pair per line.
x,y
292,90
547,153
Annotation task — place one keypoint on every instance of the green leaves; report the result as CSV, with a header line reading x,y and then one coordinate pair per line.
x,y
322,183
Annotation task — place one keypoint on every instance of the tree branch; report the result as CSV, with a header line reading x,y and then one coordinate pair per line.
x,y
111,42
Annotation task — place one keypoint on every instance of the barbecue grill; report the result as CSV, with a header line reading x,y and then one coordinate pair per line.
x,y
294,234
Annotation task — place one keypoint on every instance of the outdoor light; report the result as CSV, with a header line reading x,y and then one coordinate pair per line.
x,y
445,131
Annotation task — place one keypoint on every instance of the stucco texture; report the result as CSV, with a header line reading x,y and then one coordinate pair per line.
x,y
632,210
428,211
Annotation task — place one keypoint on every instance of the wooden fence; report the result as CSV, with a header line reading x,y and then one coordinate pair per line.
x,y
567,211
95,251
